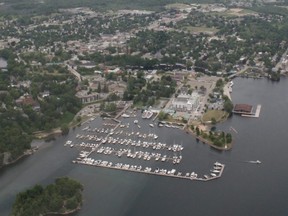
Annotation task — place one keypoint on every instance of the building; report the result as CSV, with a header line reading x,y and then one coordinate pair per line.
x,y
186,102
243,109
27,100
87,98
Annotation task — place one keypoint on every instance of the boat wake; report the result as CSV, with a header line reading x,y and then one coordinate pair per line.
x,y
254,162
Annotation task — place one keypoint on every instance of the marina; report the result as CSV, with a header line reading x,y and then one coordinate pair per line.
x,y
116,139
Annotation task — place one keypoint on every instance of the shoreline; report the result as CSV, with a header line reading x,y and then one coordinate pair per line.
x,y
28,152
64,213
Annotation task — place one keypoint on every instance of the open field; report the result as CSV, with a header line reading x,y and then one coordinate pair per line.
x,y
236,12
193,29
217,114
176,6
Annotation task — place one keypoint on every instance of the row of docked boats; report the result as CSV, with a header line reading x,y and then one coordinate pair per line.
x,y
216,171
127,142
176,159
170,125
148,170
111,132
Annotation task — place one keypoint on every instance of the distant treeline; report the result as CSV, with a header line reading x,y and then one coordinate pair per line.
x,y
269,9
31,6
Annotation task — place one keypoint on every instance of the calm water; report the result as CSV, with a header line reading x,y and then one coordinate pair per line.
x,y
3,63
244,189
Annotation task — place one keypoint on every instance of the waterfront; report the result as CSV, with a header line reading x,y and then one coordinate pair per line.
x,y
244,189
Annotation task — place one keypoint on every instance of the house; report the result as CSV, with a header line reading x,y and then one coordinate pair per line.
x,y
45,94
27,100
88,98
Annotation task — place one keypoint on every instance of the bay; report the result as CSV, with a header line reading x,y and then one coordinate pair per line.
x,y
243,189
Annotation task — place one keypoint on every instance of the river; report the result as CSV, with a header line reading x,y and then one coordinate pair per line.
x,y
244,188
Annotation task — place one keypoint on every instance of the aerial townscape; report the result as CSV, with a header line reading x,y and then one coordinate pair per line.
x,y
132,93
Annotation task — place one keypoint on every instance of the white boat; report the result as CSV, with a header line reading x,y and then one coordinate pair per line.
x,y
136,121
217,164
160,125
124,115
213,174
149,114
151,125
256,162
144,114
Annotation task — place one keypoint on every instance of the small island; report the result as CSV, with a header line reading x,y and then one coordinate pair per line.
x,y
61,198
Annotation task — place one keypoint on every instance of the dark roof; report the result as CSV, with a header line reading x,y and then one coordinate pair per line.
x,y
243,108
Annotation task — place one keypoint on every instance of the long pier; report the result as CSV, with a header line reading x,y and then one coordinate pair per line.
x,y
123,111
150,172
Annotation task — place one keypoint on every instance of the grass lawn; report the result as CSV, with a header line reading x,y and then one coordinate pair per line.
x,y
176,6
66,118
217,114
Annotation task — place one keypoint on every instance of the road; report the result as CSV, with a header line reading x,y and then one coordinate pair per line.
x,y
74,72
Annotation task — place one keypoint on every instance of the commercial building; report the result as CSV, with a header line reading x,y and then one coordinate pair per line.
x,y
186,102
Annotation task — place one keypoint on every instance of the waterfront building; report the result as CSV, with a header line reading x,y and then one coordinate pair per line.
x,y
243,108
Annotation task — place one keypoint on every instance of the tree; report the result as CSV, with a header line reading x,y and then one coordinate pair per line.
x,y
162,115
78,119
213,121
99,88
228,106
197,131
102,106
64,129
105,88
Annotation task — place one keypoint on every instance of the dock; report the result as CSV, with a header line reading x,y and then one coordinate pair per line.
x,y
256,114
123,111
147,170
